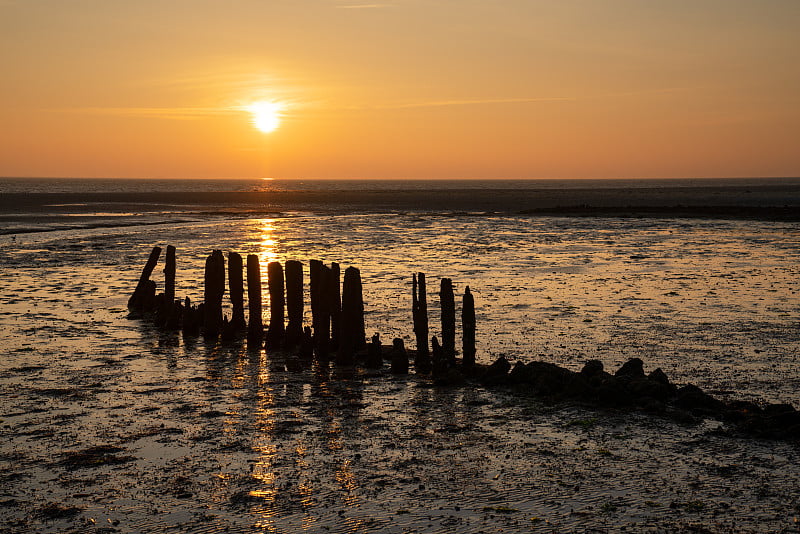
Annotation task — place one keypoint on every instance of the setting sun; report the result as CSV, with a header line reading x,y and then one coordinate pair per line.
x,y
266,115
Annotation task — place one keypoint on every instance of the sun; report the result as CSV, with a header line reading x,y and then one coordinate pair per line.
x,y
266,115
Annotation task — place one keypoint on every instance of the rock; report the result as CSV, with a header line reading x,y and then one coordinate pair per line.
x,y
644,388
633,368
695,400
739,410
778,409
294,364
592,368
548,378
614,392
579,387
521,374
659,376
497,372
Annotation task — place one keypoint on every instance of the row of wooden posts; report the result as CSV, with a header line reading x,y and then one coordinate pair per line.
x,y
337,311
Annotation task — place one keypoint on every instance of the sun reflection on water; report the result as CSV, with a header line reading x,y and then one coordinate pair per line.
x,y
267,244
347,480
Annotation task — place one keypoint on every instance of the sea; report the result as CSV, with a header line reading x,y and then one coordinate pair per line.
x,y
696,277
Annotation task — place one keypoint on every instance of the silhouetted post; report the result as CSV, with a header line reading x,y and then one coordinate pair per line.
x,y
374,353
136,301
335,304
294,303
236,288
169,280
191,319
307,344
439,362
256,326
322,334
419,313
448,304
358,295
315,294
352,329
165,302
399,357
468,328
214,291
277,302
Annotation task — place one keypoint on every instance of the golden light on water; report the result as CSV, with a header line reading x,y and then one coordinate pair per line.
x,y
266,115
267,245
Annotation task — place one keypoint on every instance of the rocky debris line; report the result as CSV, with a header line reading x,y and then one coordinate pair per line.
x,y
631,387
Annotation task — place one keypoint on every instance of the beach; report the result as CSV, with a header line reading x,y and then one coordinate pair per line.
x,y
109,424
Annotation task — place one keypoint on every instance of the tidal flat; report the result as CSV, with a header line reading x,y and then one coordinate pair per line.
x,y
110,425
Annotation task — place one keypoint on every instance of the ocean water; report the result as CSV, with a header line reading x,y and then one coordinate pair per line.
x,y
711,301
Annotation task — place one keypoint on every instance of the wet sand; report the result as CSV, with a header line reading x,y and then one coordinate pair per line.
x,y
111,426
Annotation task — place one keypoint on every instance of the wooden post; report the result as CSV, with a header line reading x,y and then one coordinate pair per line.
x,y
439,362
314,282
213,292
277,303
256,326
374,353
399,357
135,302
169,281
419,312
335,304
448,304
358,294
307,344
165,302
322,333
191,321
236,288
468,328
294,303
352,327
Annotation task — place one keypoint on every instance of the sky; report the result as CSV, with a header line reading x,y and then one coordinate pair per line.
x,y
404,89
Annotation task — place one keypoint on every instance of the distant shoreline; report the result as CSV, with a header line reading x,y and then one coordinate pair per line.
x,y
43,211
501,200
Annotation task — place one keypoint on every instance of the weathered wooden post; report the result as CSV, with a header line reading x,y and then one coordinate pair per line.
x,y
138,298
322,335
236,288
358,294
352,327
256,326
213,293
169,280
166,310
294,303
315,295
191,320
307,344
335,304
468,329
399,357
448,304
439,361
277,302
374,353
419,313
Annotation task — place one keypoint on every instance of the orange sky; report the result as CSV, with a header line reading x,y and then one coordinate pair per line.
x,y
401,89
